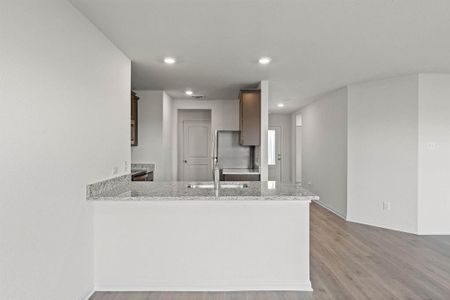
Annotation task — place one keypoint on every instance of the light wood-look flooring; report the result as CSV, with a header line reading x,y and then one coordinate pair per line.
x,y
350,261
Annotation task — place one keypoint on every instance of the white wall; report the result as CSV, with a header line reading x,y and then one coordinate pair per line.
x,y
297,122
298,152
224,116
167,137
64,119
154,133
398,144
157,132
284,121
382,152
202,245
296,146
324,153
434,154
263,166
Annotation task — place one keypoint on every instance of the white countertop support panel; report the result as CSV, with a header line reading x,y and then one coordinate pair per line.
x,y
201,245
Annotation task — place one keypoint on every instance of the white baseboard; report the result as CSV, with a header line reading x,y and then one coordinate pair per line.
x,y
330,209
254,286
356,221
89,295
425,233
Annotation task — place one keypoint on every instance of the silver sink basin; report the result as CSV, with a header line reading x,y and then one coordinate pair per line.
x,y
222,186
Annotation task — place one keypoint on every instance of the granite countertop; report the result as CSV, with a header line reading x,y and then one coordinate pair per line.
x,y
178,191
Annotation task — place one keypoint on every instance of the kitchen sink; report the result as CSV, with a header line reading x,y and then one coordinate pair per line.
x,y
222,186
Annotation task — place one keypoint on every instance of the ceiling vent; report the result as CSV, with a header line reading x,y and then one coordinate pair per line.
x,y
198,97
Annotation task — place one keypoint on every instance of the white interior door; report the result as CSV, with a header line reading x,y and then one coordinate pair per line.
x,y
197,157
274,153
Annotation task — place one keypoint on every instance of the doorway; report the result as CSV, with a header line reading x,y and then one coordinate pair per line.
x,y
274,153
194,145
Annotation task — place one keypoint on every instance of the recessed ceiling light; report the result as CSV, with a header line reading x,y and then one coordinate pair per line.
x,y
189,92
265,60
280,104
170,60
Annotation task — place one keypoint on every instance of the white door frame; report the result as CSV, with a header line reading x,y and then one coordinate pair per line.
x,y
278,156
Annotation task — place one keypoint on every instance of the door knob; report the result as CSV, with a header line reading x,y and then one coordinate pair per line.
x,y
185,161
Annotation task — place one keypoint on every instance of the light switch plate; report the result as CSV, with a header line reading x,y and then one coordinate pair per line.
x,y
431,146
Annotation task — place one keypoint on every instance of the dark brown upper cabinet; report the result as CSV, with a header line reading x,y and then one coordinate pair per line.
x,y
134,119
250,117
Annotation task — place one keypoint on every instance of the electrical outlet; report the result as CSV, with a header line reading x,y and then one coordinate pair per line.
x,y
125,166
309,182
386,205
115,170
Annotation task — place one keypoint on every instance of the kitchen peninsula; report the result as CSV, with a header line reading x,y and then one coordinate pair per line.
x,y
181,236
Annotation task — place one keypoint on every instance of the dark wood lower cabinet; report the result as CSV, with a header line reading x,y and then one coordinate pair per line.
x,y
143,177
240,177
